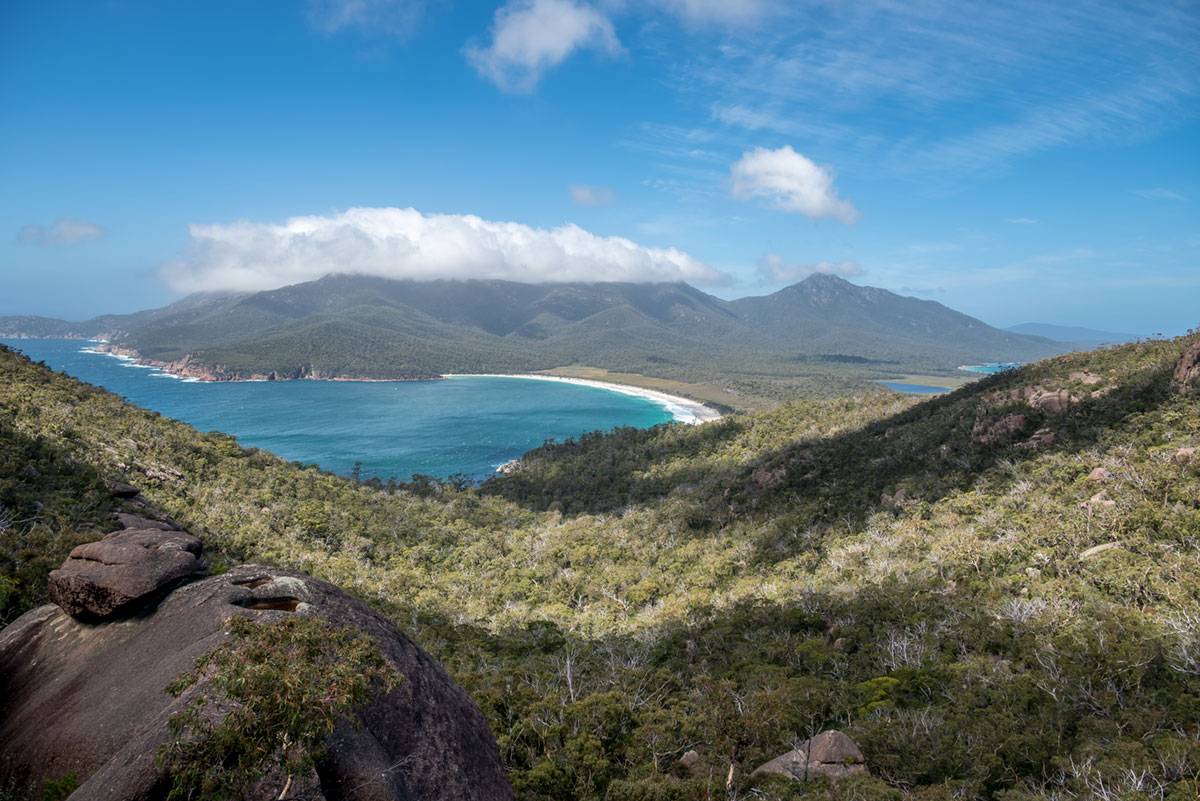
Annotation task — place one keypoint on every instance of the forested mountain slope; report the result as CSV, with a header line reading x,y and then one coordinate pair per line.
x,y
815,332
994,592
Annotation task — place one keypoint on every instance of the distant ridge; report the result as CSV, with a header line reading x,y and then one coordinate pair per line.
x,y
1073,333
365,327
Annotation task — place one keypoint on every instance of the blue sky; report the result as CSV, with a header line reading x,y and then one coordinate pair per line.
x,y
1027,162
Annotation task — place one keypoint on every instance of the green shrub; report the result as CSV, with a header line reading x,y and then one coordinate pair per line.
x,y
59,789
266,701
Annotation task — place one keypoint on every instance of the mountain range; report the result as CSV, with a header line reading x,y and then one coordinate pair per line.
x,y
374,328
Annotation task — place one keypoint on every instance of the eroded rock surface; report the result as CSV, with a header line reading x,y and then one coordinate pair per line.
x,y
137,522
1187,369
89,699
989,432
831,754
122,572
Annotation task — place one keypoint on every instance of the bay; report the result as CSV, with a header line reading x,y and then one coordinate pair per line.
x,y
469,425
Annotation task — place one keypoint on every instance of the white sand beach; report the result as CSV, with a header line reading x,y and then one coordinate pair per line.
x,y
682,409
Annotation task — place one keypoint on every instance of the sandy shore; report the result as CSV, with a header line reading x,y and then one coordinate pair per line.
x,y
682,409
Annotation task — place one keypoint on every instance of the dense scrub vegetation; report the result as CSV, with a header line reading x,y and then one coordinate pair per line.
x,y
286,682
996,600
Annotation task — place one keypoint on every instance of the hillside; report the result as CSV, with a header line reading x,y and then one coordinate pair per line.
x,y
1073,333
817,337
993,592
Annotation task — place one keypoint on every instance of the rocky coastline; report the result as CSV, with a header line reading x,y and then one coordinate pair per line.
x,y
193,369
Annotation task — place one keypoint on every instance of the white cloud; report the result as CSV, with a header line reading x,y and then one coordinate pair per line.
x,y
585,195
1021,221
66,231
883,83
532,36
404,243
720,12
790,182
1159,193
388,17
774,270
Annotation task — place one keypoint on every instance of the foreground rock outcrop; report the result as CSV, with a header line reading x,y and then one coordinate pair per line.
x,y
89,699
123,571
1187,369
831,754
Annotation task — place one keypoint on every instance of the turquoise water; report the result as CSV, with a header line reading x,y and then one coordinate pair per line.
x,y
914,389
991,368
396,428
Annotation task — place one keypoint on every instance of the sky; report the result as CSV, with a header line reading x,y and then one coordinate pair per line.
x,y
1019,161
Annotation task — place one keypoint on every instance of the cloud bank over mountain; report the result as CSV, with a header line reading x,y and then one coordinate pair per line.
x,y
774,270
405,243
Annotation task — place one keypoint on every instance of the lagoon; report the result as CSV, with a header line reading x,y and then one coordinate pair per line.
x,y
470,425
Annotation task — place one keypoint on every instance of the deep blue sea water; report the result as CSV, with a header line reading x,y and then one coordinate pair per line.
x,y
397,428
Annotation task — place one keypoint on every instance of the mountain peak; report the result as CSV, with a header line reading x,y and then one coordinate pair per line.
x,y
824,279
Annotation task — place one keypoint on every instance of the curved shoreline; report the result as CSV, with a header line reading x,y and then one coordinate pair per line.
x,y
683,410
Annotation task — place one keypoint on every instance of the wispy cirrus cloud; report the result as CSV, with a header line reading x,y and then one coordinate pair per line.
x,y
790,181
1160,193
531,37
375,17
405,243
528,37
66,231
722,12
947,89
